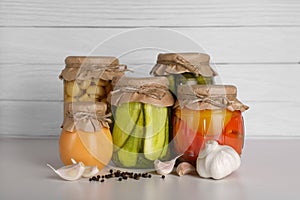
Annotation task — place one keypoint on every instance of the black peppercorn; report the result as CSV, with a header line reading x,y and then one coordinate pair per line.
x,y
90,179
111,171
149,176
120,179
163,176
102,180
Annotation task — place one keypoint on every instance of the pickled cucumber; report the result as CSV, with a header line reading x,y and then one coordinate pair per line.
x,y
155,120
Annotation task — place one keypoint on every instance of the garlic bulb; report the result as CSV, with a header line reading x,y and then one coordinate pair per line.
x,y
217,161
166,167
185,168
89,171
69,172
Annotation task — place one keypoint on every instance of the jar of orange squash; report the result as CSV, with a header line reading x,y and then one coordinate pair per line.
x,y
207,112
85,135
89,78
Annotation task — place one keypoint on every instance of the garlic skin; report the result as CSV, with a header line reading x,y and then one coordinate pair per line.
x,y
217,161
89,171
185,168
164,168
69,172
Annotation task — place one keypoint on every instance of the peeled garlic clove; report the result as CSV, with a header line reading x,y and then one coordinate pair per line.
x,y
85,84
185,168
89,171
69,172
166,167
73,89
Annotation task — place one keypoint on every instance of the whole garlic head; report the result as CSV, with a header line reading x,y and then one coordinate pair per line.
x,y
217,161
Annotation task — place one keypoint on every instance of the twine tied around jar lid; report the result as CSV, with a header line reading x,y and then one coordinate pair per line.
x,y
88,67
178,63
152,90
201,97
86,116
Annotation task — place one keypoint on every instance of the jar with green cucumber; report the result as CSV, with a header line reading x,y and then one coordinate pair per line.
x,y
184,69
141,108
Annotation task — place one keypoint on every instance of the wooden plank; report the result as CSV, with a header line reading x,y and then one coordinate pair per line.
x,y
225,45
44,118
270,82
262,82
150,13
30,118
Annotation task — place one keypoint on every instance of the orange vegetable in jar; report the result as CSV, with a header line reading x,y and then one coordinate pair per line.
x,y
207,113
86,136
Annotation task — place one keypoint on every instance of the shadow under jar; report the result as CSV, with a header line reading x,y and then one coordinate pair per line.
x,y
205,113
89,79
184,69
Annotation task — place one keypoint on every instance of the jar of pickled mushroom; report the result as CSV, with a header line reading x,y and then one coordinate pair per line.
x,y
89,79
207,112
184,69
85,135
141,109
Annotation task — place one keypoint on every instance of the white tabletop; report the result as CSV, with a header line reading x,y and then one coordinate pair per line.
x,y
270,170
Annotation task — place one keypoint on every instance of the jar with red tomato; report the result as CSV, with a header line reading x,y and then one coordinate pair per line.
x,y
207,112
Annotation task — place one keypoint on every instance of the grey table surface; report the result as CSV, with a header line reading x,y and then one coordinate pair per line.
x,y
270,170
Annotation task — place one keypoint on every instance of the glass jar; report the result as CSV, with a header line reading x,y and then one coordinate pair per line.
x,y
89,79
184,69
85,135
141,121
205,113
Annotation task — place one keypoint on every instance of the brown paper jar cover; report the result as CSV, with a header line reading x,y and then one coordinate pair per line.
x,y
179,63
150,90
89,67
86,116
202,97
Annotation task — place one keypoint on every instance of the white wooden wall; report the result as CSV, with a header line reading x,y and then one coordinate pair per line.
x,y
255,45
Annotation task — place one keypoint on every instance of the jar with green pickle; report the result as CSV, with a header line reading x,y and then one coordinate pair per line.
x,y
184,69
89,78
141,108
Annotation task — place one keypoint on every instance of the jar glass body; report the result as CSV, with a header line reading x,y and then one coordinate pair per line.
x,y
192,128
140,135
187,79
93,149
91,90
